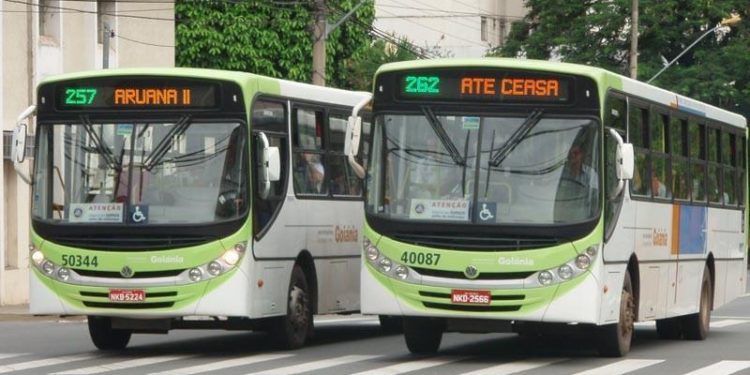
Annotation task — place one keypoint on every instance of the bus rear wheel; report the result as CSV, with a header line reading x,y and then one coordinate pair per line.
x,y
422,335
615,339
106,338
696,326
293,329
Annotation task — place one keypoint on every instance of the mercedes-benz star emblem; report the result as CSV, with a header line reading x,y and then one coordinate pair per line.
x,y
471,272
126,272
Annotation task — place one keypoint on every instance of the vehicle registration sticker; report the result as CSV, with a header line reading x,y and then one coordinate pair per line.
x,y
127,295
471,297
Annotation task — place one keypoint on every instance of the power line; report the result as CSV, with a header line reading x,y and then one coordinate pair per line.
x,y
444,33
40,7
142,42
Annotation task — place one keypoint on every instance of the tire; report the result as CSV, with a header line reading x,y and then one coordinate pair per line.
x,y
292,330
422,335
669,329
391,324
106,338
615,339
696,326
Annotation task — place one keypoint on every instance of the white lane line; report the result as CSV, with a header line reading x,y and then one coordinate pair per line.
x,y
722,368
315,365
45,362
727,323
120,365
215,366
345,320
412,366
515,367
11,355
621,367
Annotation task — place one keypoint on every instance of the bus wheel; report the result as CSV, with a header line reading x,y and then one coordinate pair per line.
x,y
695,326
422,335
391,324
669,329
106,338
616,338
292,330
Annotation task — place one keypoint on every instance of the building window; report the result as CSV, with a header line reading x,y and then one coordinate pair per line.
x,y
49,21
484,29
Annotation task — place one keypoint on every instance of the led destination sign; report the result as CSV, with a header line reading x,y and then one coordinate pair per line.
x,y
485,86
136,94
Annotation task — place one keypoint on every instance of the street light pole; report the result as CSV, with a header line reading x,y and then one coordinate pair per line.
x,y
725,22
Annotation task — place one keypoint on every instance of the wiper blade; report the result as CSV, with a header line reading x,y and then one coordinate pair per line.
x,y
106,153
437,127
161,149
516,137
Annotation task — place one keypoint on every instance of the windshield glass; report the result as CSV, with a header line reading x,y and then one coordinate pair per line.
x,y
533,169
140,173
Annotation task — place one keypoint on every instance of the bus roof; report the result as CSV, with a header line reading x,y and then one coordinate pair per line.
x,y
271,85
601,76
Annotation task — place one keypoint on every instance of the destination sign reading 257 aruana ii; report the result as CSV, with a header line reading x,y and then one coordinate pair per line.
x,y
136,95
485,86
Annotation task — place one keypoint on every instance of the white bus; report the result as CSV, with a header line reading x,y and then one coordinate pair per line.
x,y
162,197
532,196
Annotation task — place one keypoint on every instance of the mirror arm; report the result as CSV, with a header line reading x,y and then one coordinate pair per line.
x,y
264,166
359,170
620,182
16,164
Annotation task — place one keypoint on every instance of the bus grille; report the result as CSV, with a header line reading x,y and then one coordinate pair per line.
x,y
447,305
452,242
139,242
137,275
128,306
482,276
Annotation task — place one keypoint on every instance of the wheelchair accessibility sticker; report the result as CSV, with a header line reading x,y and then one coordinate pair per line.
x,y
486,212
138,214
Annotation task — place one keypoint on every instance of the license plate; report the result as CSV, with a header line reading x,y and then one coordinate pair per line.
x,y
127,295
471,297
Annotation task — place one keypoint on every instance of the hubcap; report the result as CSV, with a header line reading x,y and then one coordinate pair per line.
x,y
627,315
298,308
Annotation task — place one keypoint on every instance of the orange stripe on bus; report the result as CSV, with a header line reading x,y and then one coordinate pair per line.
x,y
675,229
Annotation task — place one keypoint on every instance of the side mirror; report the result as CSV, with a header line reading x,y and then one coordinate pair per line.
x,y
625,161
18,148
352,137
270,166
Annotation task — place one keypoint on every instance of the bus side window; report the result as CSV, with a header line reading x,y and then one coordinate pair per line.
x,y
638,136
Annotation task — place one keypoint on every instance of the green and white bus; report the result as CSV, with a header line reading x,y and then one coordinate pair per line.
x,y
537,197
188,198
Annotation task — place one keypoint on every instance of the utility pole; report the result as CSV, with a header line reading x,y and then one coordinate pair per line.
x,y
634,40
106,34
321,30
319,44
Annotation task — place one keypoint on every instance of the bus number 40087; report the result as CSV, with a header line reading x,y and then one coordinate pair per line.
x,y
430,259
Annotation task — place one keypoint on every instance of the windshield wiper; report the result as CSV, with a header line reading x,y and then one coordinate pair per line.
x,y
516,138
163,146
106,153
437,127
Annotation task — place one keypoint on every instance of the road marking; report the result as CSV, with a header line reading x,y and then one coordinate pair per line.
x,y
721,368
121,365
45,362
727,323
411,366
11,355
315,365
345,320
515,367
215,366
621,367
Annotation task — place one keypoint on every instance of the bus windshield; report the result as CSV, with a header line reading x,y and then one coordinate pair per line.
x,y
533,169
172,172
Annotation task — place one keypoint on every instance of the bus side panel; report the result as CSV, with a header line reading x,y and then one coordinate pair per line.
x,y
43,300
338,284
269,283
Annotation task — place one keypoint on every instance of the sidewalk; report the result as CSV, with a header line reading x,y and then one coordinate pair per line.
x,y
21,312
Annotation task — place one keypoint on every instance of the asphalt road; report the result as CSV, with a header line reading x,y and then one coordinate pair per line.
x,y
355,344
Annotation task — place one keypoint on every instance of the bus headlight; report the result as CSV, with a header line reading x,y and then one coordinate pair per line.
x,y
48,267
63,273
37,257
195,274
383,264
566,271
214,268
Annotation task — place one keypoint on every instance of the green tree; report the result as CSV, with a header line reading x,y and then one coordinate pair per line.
x,y
362,70
597,33
272,38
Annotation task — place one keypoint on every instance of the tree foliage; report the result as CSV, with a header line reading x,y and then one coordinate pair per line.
x,y
597,33
272,38
362,70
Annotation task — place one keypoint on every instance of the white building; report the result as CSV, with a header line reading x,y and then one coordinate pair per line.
x,y
39,38
460,28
